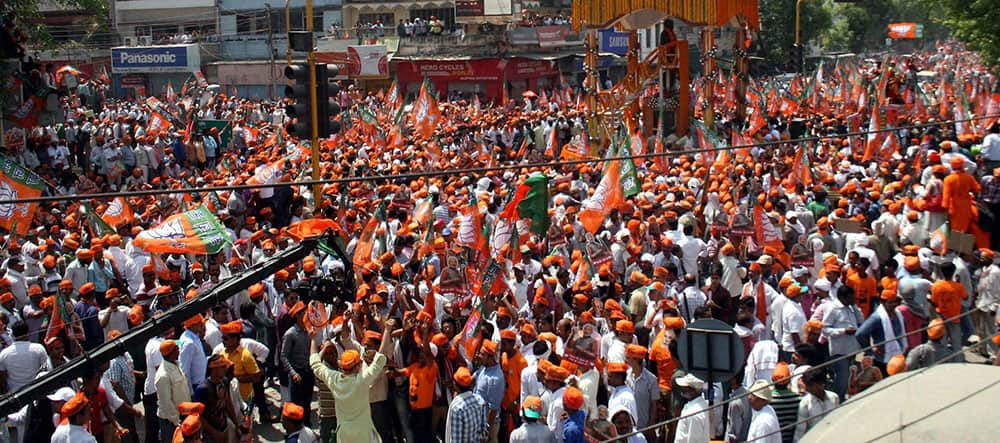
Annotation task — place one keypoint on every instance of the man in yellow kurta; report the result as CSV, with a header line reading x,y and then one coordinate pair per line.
x,y
350,388
957,199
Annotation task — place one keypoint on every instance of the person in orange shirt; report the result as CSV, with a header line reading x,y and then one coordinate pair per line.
x,y
946,297
957,197
512,363
423,378
864,285
659,352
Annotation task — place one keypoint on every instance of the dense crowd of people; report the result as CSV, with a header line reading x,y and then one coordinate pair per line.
x,y
540,304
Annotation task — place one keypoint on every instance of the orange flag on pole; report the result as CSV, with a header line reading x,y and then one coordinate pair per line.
x,y
118,213
872,143
607,196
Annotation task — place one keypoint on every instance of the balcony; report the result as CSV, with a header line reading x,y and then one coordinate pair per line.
x,y
142,5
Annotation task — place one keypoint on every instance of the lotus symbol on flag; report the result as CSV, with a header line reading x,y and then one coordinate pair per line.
x,y
114,209
170,230
8,193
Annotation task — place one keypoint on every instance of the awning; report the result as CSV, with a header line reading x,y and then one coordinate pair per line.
x,y
391,6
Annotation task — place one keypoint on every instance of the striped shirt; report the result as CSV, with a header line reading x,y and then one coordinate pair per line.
x,y
786,407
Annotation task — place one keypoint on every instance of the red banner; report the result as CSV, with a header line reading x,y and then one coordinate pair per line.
x,y
489,69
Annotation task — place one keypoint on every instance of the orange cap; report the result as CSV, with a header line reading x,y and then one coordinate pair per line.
x,y
168,347
625,326
781,373
935,330
349,359
233,327
572,398
619,367
462,377
292,411
635,351
896,365
74,405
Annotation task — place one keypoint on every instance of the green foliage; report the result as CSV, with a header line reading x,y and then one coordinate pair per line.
x,y
29,16
777,22
863,26
977,23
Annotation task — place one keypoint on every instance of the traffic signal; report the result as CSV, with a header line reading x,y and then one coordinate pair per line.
x,y
326,100
299,111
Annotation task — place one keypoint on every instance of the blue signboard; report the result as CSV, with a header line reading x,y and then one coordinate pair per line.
x,y
614,42
174,58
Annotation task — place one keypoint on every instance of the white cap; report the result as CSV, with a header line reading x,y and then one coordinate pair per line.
x,y
647,257
822,285
63,394
691,381
761,389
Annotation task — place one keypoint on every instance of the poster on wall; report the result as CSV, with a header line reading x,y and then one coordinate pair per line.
x,y
368,61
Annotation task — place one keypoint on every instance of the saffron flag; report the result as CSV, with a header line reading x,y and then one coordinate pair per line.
x,y
18,182
766,232
118,213
606,197
553,142
366,243
311,228
872,143
425,113
197,231
531,201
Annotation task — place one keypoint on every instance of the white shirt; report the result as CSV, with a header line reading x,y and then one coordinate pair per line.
x,y
622,397
72,434
991,147
153,360
117,319
812,409
764,426
694,429
22,361
793,318
761,361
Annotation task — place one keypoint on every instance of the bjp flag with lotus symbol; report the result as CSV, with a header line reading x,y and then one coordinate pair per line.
x,y
18,182
197,231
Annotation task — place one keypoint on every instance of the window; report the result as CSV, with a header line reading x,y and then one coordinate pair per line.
x,y
243,23
261,22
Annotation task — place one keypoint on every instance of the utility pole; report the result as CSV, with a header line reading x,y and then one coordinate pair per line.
x,y
270,50
317,188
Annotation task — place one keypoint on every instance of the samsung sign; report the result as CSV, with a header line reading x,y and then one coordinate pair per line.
x,y
613,42
144,59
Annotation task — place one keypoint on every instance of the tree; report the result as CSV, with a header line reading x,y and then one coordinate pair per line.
x,y
28,17
977,23
777,23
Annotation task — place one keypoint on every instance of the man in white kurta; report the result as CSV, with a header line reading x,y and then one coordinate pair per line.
x,y
695,426
350,388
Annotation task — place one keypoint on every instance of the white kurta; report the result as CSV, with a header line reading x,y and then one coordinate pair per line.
x,y
696,428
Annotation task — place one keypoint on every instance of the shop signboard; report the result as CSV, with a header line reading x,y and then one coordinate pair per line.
x,y
150,59
613,42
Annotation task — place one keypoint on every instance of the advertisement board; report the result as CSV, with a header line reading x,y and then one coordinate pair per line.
x,y
905,30
368,61
146,59
613,42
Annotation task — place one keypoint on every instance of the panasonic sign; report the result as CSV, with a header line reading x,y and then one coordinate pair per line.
x,y
151,59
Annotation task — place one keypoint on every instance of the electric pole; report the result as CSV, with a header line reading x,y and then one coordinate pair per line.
x,y
270,50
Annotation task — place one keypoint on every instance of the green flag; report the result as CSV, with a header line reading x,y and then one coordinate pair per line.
x,y
629,181
98,227
531,200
